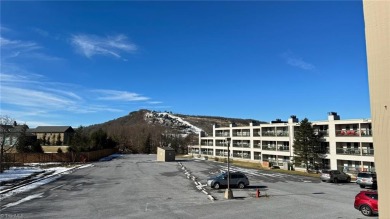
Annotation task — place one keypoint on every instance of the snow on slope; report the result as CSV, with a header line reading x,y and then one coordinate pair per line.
x,y
175,119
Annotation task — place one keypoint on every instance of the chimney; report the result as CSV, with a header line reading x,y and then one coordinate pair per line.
x,y
333,116
293,119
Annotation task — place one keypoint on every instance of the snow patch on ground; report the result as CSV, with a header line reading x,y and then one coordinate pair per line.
x,y
18,173
28,198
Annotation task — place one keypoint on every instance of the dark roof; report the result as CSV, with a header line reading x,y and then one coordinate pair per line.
x,y
44,129
11,128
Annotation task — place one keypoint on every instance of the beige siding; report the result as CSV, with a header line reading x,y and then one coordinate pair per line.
x,y
377,28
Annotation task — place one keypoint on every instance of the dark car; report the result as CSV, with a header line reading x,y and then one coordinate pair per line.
x,y
367,202
334,176
236,179
366,179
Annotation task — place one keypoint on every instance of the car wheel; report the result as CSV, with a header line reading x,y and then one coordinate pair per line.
x,y
241,185
362,186
216,185
366,210
335,180
348,179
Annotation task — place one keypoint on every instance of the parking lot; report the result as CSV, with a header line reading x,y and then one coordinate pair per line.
x,y
137,186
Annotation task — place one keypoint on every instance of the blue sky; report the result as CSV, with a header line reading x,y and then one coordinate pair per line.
x,y
82,63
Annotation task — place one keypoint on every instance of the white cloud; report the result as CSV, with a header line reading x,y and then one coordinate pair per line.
x,y
26,49
91,45
17,44
154,102
120,95
41,32
295,61
33,98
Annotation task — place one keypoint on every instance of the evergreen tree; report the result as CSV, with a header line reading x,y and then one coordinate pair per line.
x,y
36,147
307,145
98,139
24,144
80,141
58,142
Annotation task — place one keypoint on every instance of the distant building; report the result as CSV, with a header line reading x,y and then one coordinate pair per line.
x,y
165,154
348,143
11,133
53,135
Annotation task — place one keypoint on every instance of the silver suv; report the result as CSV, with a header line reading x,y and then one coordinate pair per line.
x,y
334,176
366,179
236,179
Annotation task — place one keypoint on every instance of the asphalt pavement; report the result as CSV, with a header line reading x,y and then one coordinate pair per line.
x,y
138,186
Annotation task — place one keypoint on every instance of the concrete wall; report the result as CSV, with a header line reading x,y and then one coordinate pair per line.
x,y
377,29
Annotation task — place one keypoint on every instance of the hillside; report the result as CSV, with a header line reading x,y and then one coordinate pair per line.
x,y
144,130
171,123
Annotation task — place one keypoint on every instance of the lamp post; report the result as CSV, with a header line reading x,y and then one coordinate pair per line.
x,y
228,191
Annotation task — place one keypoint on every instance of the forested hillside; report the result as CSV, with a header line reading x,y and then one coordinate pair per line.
x,y
143,131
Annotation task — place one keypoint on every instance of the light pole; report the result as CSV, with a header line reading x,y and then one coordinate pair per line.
x,y
228,191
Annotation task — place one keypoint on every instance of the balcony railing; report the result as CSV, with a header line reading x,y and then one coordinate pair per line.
x,y
206,144
258,145
242,155
348,151
347,133
242,134
368,152
366,132
268,133
283,148
269,147
281,133
256,134
222,134
221,144
241,145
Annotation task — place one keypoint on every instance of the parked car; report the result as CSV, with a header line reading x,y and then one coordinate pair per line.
x,y
367,202
334,176
236,179
366,179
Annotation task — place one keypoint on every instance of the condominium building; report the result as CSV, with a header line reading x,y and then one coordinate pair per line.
x,y
348,143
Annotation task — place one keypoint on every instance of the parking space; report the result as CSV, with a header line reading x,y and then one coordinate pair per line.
x,y
137,186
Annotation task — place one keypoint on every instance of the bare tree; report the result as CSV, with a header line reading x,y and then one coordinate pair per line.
x,y
8,138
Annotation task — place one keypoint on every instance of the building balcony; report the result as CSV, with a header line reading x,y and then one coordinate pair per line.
x,y
366,132
256,134
283,134
219,134
242,134
241,145
241,155
368,152
269,147
268,134
347,133
257,146
283,148
348,151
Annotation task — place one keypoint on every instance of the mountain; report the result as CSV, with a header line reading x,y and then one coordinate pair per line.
x,y
170,122
144,130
